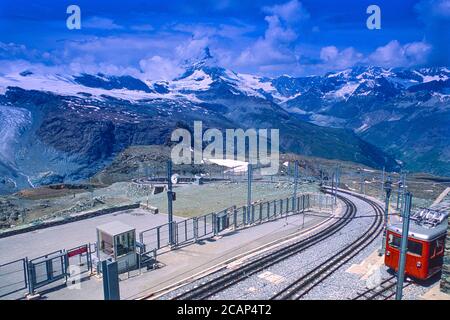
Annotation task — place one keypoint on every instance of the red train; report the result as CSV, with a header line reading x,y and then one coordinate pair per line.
x,y
426,242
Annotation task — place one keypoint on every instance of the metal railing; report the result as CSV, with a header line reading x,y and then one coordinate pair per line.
x,y
211,224
13,279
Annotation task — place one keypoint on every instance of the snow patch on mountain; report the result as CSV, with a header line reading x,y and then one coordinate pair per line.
x,y
250,83
362,128
197,81
428,75
345,91
66,86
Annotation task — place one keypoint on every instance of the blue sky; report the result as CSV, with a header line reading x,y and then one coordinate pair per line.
x,y
153,39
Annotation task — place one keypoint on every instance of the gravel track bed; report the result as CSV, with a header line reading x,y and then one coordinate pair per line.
x,y
340,285
221,272
264,285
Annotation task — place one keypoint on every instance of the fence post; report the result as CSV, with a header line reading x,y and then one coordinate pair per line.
x,y
303,211
244,210
274,208
195,226
260,211
295,180
287,206
215,223
249,188
235,217
158,238
294,199
110,280
253,213
31,279
170,201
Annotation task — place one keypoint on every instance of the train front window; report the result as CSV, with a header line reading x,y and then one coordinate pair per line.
x,y
394,241
413,246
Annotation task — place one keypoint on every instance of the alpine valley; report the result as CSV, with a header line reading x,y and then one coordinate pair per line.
x,y
64,128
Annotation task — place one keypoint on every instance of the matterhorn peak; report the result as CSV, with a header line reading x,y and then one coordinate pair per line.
x,y
204,59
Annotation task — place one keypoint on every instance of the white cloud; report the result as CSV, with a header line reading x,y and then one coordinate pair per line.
x,y
329,53
335,59
142,27
291,12
159,68
435,15
274,51
192,48
100,23
277,33
436,8
394,54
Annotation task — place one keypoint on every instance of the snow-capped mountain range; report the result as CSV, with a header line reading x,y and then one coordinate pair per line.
x,y
70,126
203,76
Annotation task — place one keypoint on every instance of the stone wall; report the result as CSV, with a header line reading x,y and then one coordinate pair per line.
x,y
68,220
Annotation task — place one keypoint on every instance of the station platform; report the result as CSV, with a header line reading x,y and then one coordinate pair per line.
x,y
43,241
178,264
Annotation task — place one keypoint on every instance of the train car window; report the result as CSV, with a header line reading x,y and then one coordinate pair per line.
x,y
394,241
440,246
433,248
436,248
413,246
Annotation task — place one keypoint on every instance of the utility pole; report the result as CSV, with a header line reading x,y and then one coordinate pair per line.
x,y
337,183
338,177
249,190
382,182
404,188
388,188
400,185
332,184
404,245
360,181
295,184
321,176
169,202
